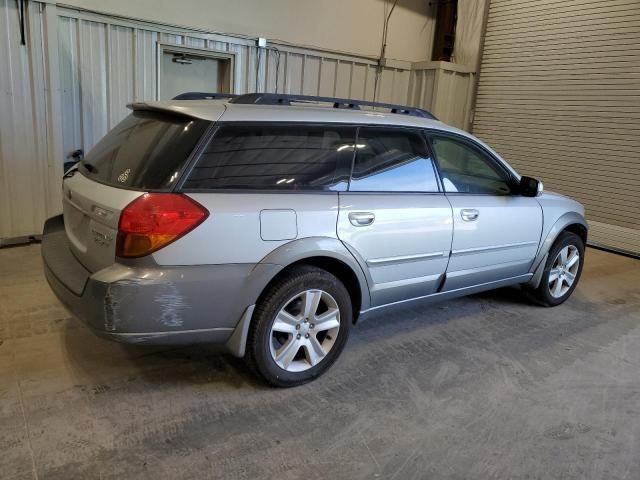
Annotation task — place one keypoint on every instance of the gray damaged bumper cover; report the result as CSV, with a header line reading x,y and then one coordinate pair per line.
x,y
152,305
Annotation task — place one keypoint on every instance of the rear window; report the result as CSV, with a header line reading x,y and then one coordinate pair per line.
x,y
275,157
393,160
147,150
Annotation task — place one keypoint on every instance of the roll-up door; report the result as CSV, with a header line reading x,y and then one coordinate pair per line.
x,y
559,98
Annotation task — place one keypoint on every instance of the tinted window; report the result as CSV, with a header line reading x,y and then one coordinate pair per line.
x,y
290,157
465,169
146,150
392,161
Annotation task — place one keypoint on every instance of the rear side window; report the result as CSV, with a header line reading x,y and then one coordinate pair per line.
x,y
392,160
275,157
147,150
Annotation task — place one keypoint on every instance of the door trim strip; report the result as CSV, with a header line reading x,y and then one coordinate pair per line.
x,y
405,258
493,247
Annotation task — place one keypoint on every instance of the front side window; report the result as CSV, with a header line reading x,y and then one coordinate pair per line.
x,y
275,157
465,169
392,160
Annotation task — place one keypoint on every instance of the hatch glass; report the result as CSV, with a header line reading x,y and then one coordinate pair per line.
x,y
146,151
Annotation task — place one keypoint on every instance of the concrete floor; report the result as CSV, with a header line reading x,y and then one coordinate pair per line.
x,y
482,387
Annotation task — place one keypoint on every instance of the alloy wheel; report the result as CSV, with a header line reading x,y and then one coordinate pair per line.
x,y
564,271
304,331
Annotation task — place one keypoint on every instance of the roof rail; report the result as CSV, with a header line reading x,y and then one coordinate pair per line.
x,y
203,96
284,99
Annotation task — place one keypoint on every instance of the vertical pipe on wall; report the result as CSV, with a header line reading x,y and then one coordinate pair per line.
x,y
320,75
476,80
107,58
302,67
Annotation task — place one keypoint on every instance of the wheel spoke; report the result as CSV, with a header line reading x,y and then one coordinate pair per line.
x,y
563,254
327,320
285,322
569,278
311,301
557,288
287,352
573,259
553,275
314,351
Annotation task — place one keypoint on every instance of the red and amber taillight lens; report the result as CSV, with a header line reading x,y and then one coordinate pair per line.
x,y
154,220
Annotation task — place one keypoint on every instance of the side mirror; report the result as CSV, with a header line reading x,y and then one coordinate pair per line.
x,y
530,187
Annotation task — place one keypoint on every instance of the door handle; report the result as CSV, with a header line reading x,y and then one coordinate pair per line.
x,y
361,219
469,214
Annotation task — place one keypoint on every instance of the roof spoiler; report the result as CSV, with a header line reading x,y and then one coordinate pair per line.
x,y
159,108
203,96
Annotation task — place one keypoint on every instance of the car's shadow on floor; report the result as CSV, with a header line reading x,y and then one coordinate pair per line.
x,y
424,313
508,295
111,362
204,364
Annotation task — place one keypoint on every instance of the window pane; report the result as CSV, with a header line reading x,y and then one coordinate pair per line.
x,y
467,170
392,161
146,150
296,157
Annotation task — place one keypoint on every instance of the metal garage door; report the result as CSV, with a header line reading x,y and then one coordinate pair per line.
x,y
559,97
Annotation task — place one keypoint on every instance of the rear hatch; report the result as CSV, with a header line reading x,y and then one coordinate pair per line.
x,y
147,151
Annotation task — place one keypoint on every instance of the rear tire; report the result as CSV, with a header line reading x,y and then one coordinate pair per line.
x,y
561,272
299,327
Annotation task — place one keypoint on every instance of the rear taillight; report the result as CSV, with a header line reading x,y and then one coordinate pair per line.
x,y
154,220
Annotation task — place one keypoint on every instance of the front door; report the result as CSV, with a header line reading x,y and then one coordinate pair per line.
x,y
394,217
496,232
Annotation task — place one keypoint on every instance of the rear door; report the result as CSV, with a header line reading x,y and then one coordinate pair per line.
x,y
147,151
394,217
496,231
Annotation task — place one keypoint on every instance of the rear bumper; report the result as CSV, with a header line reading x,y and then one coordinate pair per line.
x,y
152,305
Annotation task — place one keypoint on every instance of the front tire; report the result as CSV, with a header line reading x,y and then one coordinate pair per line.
x,y
561,272
300,327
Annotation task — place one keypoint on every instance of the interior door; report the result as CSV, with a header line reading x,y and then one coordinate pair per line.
x,y
394,218
185,70
496,232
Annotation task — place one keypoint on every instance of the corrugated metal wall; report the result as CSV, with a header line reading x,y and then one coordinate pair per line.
x,y
106,63
27,195
70,84
445,89
558,97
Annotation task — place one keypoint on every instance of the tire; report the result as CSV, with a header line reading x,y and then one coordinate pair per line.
x,y
548,293
285,353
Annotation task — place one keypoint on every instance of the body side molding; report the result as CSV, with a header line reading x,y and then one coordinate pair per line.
x,y
439,296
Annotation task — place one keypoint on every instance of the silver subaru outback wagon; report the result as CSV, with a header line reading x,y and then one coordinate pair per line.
x,y
270,224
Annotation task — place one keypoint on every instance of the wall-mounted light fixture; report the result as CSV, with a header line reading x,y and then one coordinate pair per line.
x,y
182,59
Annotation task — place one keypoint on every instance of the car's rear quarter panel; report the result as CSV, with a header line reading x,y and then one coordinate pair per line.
x,y
238,224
